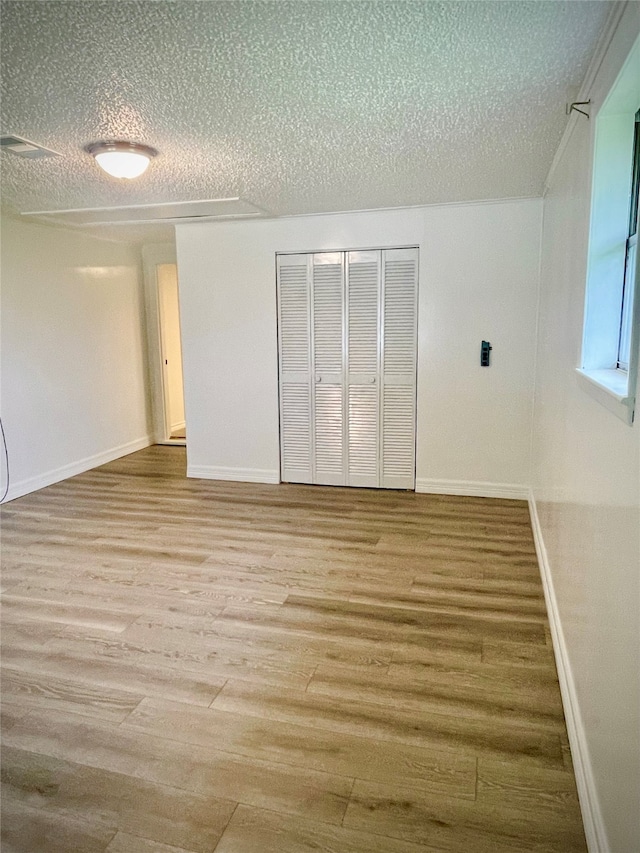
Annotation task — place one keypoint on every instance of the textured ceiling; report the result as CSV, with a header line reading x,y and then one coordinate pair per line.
x,y
297,107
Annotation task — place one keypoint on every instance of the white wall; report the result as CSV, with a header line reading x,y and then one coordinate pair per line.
x,y
586,484
478,279
73,369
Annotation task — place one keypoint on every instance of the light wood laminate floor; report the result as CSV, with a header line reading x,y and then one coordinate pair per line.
x,y
192,666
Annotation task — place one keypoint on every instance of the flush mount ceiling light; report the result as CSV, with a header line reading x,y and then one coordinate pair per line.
x,y
121,159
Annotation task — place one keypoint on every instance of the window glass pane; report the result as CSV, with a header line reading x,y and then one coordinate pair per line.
x,y
625,323
635,179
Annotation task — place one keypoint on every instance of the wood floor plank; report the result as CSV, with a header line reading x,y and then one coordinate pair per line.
x,y
384,722
442,690
35,609
451,772
74,738
354,616
11,711
30,829
513,677
250,830
202,768
505,652
124,842
219,658
98,664
115,801
135,596
502,824
436,651
551,790
478,599
28,634
175,643
352,623
44,691
193,665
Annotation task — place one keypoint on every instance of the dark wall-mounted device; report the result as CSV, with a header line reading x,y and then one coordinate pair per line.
x,y
485,349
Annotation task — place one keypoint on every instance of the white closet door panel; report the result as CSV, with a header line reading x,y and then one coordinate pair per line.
x,y
295,369
363,435
296,433
328,436
328,367
399,310
398,437
400,289
328,299
363,362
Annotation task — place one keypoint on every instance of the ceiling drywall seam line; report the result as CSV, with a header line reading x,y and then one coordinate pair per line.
x,y
584,91
535,355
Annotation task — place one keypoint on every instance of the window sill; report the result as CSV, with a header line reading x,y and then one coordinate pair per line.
x,y
611,389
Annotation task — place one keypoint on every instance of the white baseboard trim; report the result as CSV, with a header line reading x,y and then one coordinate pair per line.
x,y
594,828
32,484
181,425
242,475
473,488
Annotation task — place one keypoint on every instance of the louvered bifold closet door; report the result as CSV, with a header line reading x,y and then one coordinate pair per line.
x,y
328,369
363,367
399,318
294,323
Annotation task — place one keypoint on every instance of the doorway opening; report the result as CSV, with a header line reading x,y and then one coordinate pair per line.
x,y
165,344
171,352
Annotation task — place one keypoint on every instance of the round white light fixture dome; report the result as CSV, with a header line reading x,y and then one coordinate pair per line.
x,y
121,159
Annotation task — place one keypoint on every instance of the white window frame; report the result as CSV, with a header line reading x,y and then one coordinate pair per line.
x,y
612,305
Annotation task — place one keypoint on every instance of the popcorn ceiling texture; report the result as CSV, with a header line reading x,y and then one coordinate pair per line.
x,y
298,107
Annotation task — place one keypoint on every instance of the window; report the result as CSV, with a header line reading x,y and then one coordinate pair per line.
x,y
624,349
611,334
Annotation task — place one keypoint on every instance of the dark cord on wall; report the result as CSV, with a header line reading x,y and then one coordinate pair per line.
x,y
6,460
